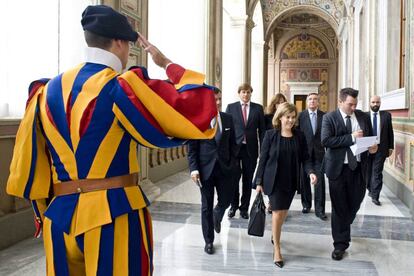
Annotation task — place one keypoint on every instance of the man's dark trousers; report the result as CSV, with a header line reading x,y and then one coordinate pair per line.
x,y
248,166
347,192
319,187
224,189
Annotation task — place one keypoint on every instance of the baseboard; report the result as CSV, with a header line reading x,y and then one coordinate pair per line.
x,y
160,172
401,191
16,227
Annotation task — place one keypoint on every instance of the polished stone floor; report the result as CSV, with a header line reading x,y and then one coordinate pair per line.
x,y
382,244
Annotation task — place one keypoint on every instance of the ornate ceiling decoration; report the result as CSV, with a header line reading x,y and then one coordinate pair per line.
x,y
329,10
304,46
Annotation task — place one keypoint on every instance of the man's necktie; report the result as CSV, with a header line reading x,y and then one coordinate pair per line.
x,y
245,114
374,124
352,162
313,122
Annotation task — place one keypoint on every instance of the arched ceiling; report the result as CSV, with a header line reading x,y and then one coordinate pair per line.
x,y
302,21
282,12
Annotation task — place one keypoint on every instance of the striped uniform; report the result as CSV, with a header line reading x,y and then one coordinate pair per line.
x,y
86,124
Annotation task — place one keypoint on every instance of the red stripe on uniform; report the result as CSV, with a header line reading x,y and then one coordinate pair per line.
x,y
49,115
144,259
69,109
35,87
138,105
175,70
196,105
86,117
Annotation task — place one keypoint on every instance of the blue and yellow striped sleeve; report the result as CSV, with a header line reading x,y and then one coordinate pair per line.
x,y
30,175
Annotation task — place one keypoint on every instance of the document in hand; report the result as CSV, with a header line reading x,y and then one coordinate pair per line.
x,y
362,144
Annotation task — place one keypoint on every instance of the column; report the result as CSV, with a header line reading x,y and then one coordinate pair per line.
x,y
215,43
233,56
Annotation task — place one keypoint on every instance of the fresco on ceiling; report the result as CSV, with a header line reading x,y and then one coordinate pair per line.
x,y
304,47
272,8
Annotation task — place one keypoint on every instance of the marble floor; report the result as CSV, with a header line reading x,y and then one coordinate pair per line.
x,y
382,244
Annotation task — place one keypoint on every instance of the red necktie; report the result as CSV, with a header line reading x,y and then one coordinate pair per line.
x,y
245,113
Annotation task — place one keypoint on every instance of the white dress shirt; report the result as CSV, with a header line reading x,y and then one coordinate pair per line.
x,y
247,109
355,127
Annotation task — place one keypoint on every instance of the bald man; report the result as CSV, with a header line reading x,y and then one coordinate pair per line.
x,y
382,128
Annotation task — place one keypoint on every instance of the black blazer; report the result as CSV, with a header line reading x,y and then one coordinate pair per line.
x,y
313,140
254,129
336,140
269,158
203,154
268,121
386,133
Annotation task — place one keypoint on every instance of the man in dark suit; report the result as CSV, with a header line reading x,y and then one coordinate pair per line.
x,y
212,164
340,129
382,128
310,122
249,123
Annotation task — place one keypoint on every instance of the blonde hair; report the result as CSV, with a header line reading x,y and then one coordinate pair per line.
x,y
271,108
283,109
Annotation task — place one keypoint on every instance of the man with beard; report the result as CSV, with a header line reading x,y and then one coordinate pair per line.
x,y
382,128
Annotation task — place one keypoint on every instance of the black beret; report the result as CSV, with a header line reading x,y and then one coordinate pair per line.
x,y
105,21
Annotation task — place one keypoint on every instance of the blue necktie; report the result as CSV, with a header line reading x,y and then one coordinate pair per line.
x,y
313,122
374,124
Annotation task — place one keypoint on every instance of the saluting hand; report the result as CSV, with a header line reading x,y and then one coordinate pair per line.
x,y
156,54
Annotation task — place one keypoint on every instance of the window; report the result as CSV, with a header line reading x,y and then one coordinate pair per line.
x,y
178,29
42,42
403,24
396,22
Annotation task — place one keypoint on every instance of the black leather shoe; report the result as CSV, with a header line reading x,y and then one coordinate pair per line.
x,y
338,254
322,216
376,202
209,248
231,213
217,224
279,263
305,210
244,215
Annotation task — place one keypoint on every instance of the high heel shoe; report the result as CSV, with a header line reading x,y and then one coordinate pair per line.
x,y
280,263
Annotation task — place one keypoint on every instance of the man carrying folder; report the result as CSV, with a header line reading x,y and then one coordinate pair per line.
x,y
347,182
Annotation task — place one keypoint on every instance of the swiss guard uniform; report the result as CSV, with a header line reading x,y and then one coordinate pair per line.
x,y
75,158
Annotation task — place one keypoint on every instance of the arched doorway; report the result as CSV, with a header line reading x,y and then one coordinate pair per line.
x,y
301,46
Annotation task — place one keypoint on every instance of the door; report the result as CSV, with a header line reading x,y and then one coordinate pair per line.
x,y
300,102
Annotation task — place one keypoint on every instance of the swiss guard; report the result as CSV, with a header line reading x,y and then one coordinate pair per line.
x,y
75,156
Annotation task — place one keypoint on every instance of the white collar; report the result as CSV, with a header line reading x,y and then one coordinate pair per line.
x,y
100,56
242,103
344,114
315,111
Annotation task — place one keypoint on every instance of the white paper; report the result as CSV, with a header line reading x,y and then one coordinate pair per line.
x,y
362,144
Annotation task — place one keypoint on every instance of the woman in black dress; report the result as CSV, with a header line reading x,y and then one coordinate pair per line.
x,y
277,99
282,153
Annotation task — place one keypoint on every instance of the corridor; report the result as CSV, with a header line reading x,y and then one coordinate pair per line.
x,y
383,241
